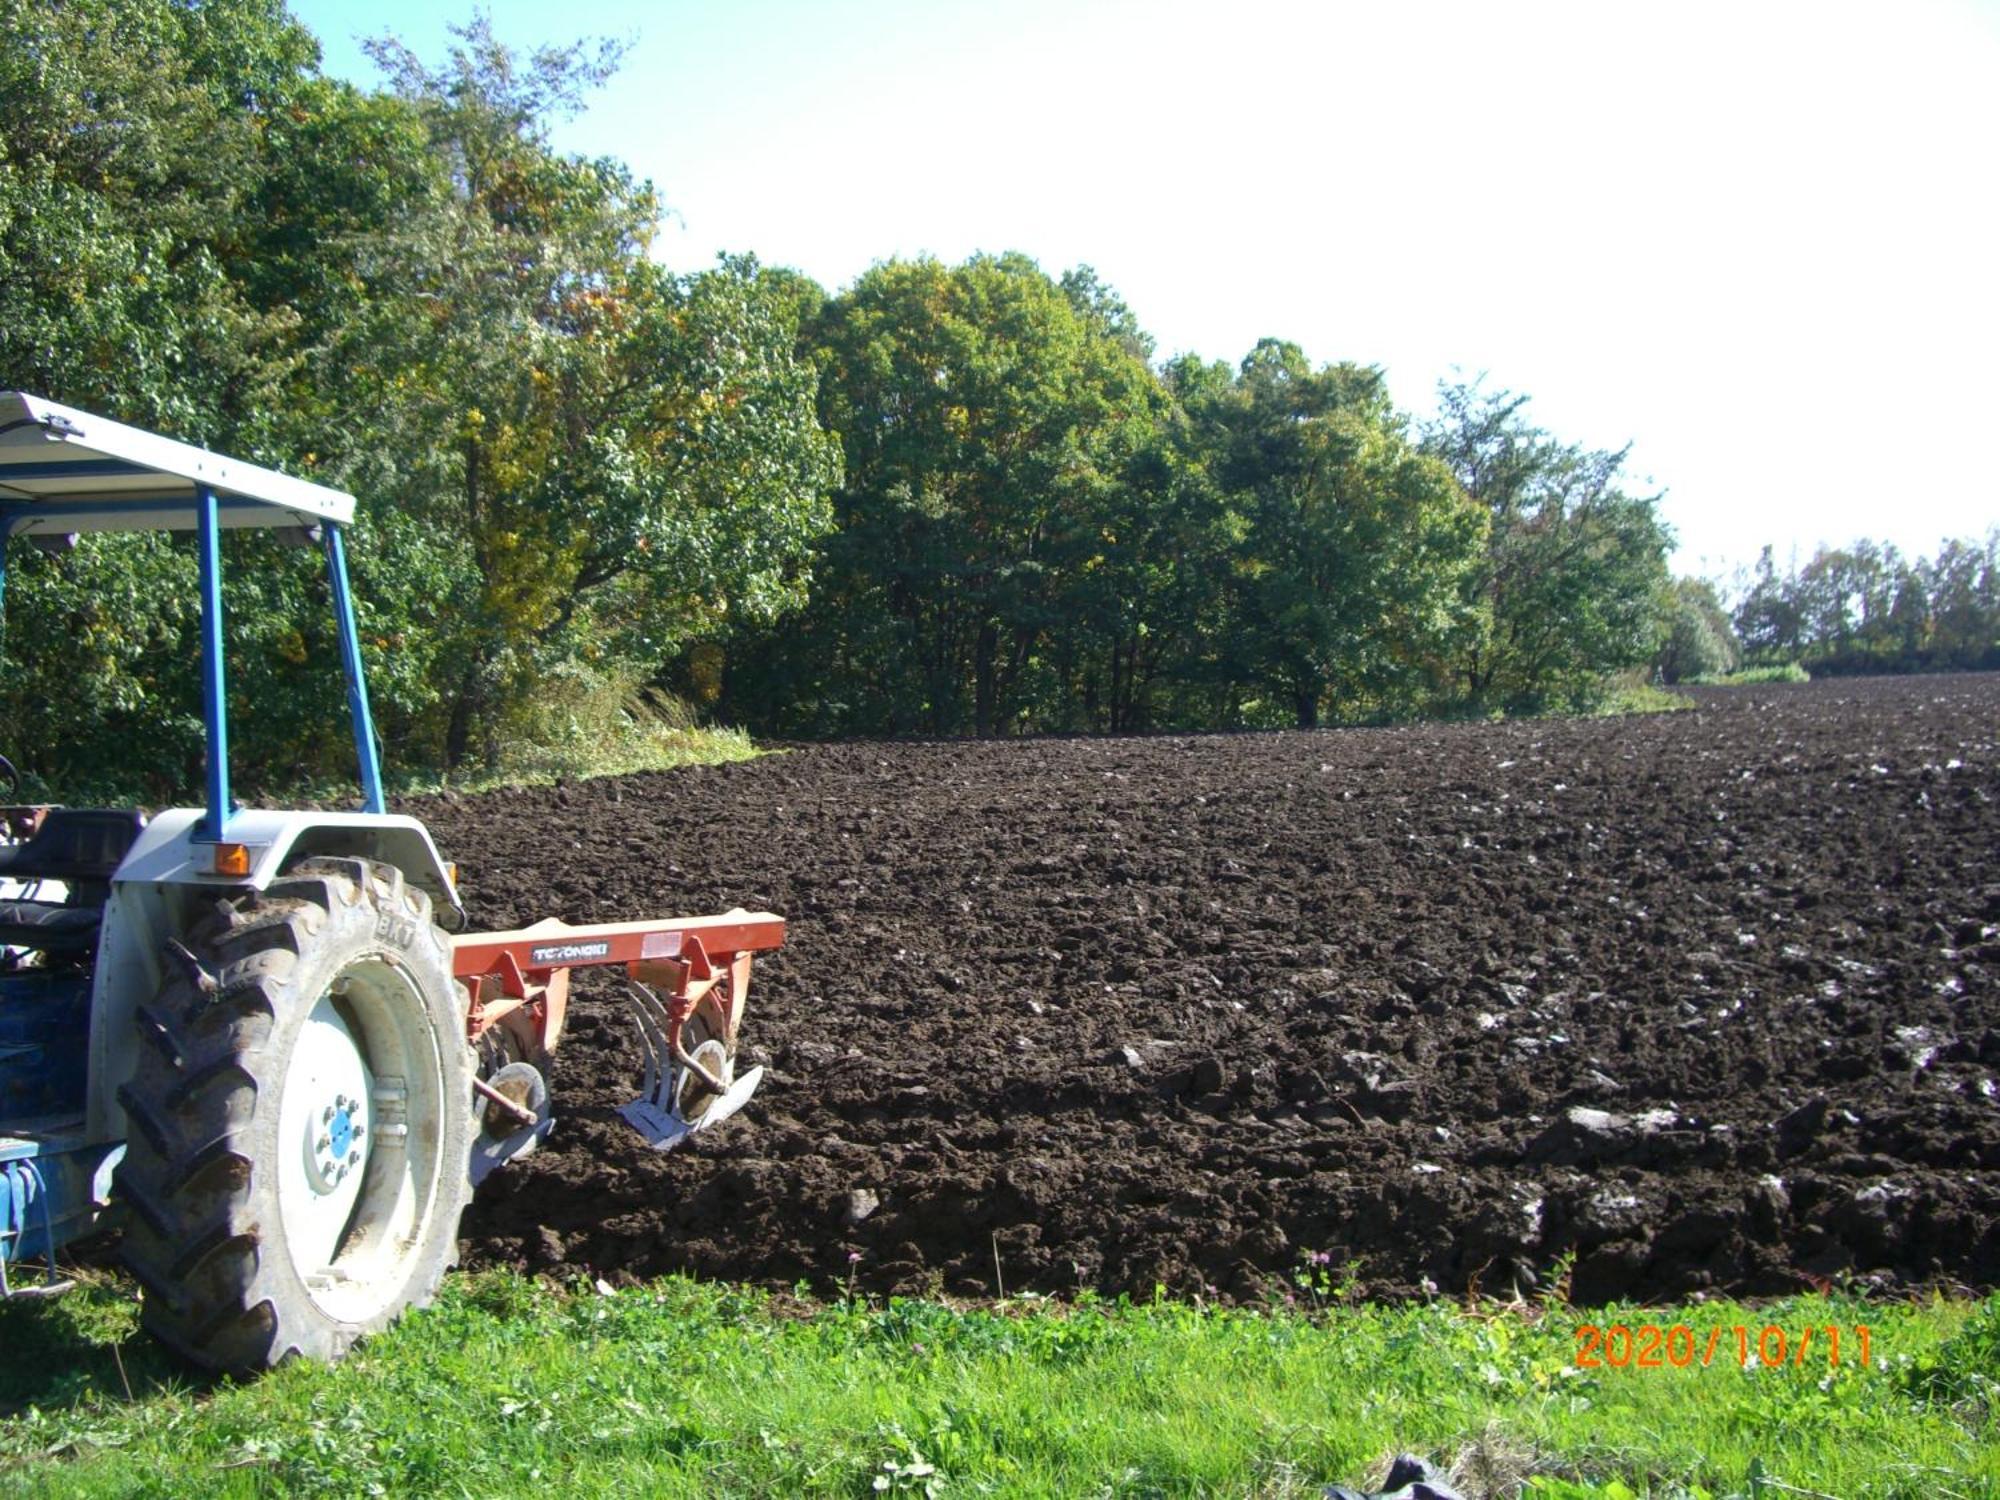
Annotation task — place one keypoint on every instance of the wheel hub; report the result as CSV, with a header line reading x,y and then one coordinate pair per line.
x,y
336,1136
695,1095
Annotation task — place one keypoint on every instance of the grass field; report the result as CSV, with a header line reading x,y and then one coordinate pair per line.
x,y
508,1386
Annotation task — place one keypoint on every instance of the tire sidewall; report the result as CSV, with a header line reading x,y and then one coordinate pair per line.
x,y
365,928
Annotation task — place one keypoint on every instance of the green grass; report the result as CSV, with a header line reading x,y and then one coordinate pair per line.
x,y
655,748
1624,697
507,1387
1789,671
659,749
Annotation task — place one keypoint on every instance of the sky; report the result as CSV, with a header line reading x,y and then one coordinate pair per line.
x,y
1756,241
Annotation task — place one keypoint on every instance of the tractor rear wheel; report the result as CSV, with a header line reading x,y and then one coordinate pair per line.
x,y
299,1126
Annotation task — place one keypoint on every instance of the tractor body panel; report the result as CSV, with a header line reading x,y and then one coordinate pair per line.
x,y
53,1186
44,1046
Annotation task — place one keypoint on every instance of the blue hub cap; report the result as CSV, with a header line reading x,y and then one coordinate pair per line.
x,y
334,1142
342,1131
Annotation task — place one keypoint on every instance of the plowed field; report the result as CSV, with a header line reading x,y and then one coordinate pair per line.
x,y
1710,1000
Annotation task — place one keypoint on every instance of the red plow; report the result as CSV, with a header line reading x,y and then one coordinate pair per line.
x,y
687,980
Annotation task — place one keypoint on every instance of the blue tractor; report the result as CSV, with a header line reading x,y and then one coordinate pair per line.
x,y
258,1044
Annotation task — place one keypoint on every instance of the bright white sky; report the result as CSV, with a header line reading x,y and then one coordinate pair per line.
x,y
1757,240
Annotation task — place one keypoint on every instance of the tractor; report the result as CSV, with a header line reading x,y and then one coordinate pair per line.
x,y
261,1044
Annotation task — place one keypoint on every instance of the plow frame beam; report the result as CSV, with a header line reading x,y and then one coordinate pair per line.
x,y
520,979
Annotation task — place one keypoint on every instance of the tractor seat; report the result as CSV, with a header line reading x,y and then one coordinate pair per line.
x,y
85,844
64,930
82,847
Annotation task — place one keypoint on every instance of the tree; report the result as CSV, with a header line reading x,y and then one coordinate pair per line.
x,y
1964,590
1356,545
134,138
567,458
131,143
985,420
1574,564
579,452
1866,608
1768,619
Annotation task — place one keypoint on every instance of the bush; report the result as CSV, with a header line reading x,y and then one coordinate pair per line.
x,y
1697,639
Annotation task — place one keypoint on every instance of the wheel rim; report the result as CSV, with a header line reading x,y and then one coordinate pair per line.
x,y
359,1140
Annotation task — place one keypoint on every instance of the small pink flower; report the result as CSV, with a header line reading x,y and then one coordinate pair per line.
x,y
854,1257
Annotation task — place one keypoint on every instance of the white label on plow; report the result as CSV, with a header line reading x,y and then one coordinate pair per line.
x,y
660,945
548,955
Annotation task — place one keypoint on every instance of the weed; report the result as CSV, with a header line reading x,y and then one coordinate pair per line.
x,y
1318,1284
1556,1297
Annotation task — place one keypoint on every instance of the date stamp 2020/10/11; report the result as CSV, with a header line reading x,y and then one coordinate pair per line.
x,y
1651,1346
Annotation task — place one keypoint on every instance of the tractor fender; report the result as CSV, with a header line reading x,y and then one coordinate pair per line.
x,y
168,853
167,881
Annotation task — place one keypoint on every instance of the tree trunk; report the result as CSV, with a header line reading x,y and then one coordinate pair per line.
x,y
983,684
458,729
1117,705
1308,706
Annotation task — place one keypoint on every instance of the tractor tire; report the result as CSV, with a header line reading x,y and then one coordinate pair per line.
x,y
299,1122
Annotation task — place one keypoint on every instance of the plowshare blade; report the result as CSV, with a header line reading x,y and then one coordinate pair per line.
x,y
664,1129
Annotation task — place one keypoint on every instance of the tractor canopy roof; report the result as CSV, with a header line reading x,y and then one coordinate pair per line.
x,y
63,470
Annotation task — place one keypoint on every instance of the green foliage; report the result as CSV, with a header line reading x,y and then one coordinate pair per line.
x,y
131,133
613,456
605,721
988,424
1630,693
947,499
1964,1370
1037,532
1356,547
1575,567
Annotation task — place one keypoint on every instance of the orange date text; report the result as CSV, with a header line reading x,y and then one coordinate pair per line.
x,y
1649,1346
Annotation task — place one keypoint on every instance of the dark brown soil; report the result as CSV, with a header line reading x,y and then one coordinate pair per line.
x,y
1179,1011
